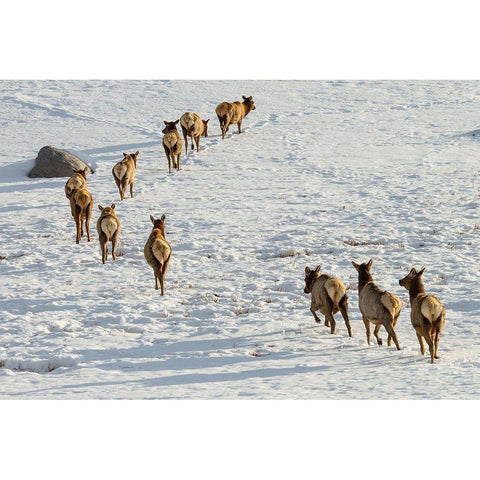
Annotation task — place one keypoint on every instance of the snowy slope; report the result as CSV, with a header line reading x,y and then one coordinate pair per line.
x,y
325,172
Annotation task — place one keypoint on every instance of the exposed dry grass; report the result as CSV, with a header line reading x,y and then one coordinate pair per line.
x,y
354,243
291,253
258,353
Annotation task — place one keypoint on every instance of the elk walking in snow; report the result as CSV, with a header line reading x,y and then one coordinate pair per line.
x,y
77,180
427,312
328,295
108,228
124,173
157,251
194,127
81,205
231,113
377,306
172,143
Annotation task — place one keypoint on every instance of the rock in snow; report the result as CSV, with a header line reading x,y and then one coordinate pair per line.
x,y
53,162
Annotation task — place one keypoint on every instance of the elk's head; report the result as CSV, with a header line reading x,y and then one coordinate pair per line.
x,y
107,210
133,156
310,278
205,127
170,126
249,102
407,281
158,223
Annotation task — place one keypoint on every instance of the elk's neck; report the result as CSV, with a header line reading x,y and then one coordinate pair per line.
x,y
416,288
247,107
363,279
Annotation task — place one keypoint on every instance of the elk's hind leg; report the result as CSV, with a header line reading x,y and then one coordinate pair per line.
x,y
366,322
344,311
375,333
389,328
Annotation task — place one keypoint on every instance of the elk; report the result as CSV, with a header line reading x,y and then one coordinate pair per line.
x,y
157,251
124,173
81,204
231,113
328,295
108,228
427,312
172,143
77,180
194,127
377,306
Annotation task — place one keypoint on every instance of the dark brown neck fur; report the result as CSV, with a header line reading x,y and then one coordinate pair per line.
x,y
416,287
364,277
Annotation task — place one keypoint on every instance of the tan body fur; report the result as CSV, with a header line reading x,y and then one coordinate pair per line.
x,y
124,173
157,251
194,127
377,306
328,295
231,113
81,205
172,144
77,180
108,229
427,313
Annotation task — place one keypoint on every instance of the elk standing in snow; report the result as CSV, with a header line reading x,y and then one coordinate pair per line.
x,y
157,251
108,228
194,127
172,143
77,180
231,113
81,204
427,312
377,306
328,295
124,173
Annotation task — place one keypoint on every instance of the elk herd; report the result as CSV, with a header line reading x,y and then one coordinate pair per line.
x,y
377,306
328,294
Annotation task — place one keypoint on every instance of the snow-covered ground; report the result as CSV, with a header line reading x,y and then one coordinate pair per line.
x,y
325,172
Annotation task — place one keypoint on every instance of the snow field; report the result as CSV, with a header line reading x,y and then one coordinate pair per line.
x,y
324,173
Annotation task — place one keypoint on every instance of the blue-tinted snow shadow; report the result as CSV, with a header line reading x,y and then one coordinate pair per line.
x,y
120,147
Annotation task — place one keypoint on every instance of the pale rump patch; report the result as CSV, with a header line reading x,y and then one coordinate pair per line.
x,y
160,249
187,120
75,182
335,289
109,226
170,140
120,169
391,303
431,308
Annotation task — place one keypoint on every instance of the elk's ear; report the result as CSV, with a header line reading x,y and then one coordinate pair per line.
x,y
370,263
176,121
307,271
112,206
206,121
244,97
317,270
162,218
136,153
250,98
420,273
356,266
413,271
152,218
100,208
165,122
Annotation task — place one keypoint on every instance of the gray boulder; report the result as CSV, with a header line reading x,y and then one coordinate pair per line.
x,y
53,162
